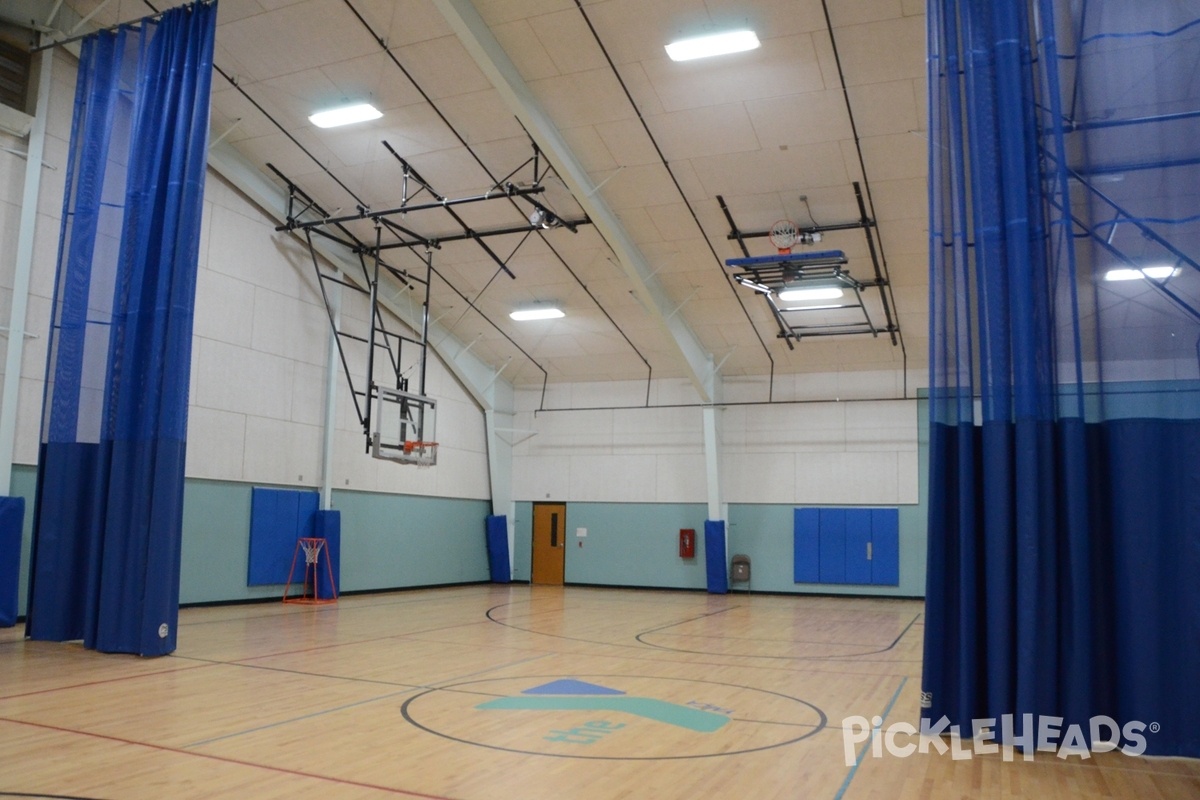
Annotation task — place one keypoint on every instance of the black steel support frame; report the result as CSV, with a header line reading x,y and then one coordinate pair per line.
x,y
333,228
787,331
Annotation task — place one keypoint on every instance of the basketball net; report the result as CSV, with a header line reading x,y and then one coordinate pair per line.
x,y
783,236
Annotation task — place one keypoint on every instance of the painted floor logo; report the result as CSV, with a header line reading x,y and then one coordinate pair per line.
x,y
574,695
605,716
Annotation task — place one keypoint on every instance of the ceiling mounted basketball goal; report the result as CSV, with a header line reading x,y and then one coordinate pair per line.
x,y
398,418
812,293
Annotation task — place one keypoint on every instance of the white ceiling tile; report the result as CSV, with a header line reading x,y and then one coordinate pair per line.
x,y
791,171
590,149
889,107
780,67
496,12
628,142
525,50
640,186
570,44
634,30
708,131
856,12
800,119
582,98
441,67
402,22
284,41
900,155
882,51
481,116
673,221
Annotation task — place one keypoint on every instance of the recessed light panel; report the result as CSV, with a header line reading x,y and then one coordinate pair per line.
x,y
717,44
538,312
345,115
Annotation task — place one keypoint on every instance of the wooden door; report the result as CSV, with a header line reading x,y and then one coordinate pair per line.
x,y
549,542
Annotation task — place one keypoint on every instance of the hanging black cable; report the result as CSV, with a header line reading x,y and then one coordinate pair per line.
x,y
491,176
666,164
862,165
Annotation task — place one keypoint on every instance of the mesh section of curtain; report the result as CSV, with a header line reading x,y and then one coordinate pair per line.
x,y
108,518
1064,522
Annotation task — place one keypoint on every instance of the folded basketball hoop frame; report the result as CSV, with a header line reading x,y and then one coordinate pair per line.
x,y
398,418
774,276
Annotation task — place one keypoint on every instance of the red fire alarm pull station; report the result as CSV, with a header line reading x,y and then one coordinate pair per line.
x,y
687,543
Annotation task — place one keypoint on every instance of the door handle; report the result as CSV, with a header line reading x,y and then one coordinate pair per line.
x,y
868,551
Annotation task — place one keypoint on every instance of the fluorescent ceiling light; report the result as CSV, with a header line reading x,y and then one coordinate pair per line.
x,y
345,115
536,312
1128,274
717,44
815,293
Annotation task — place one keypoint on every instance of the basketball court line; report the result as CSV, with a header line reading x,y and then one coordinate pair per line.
x,y
404,710
407,688
101,682
227,760
789,658
841,792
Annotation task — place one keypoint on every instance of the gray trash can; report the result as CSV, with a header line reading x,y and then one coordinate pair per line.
x,y
739,570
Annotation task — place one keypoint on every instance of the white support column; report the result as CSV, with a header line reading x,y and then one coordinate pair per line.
x,y
497,420
712,462
332,381
24,266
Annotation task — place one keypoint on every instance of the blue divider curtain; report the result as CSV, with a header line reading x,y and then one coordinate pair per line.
x,y
109,503
1064,523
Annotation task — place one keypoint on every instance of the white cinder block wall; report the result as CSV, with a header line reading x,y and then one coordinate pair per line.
x,y
258,381
852,452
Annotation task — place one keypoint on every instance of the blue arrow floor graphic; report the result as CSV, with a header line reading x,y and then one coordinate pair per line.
x,y
658,710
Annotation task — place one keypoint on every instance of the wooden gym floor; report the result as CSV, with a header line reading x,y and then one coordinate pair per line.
x,y
484,692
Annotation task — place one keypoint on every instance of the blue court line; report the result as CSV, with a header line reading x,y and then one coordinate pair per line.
x,y
353,705
862,753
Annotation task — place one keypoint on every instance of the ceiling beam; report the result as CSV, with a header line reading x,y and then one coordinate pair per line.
x,y
478,378
475,35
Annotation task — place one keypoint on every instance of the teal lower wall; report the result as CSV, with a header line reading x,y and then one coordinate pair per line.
x,y
393,540
388,540
634,544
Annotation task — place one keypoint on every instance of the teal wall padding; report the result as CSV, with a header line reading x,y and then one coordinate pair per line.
x,y
523,541
24,484
392,540
632,544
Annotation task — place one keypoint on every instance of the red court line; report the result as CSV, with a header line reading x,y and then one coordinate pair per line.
x,y
225,759
104,681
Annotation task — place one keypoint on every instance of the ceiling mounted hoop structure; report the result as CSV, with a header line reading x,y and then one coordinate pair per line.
x,y
819,276
394,383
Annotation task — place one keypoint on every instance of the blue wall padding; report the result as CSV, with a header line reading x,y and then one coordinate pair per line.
x,y
277,518
885,539
806,550
12,520
497,548
714,556
830,545
833,545
328,526
858,536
